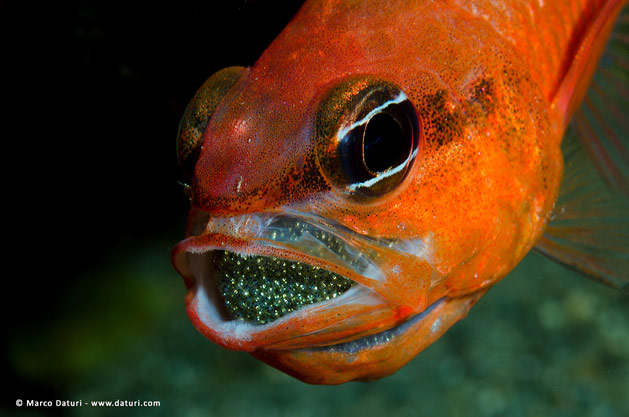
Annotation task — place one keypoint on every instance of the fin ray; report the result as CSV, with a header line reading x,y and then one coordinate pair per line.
x,y
589,229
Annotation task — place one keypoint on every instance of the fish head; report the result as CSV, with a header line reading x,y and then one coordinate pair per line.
x,y
346,214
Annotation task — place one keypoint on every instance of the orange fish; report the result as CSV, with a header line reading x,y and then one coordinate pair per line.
x,y
384,163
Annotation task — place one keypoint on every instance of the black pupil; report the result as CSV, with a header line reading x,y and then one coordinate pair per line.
x,y
384,143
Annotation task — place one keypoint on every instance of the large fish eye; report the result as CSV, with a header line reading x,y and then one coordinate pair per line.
x,y
198,113
368,136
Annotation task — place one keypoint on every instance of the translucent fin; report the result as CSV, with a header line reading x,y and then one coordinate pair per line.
x,y
589,230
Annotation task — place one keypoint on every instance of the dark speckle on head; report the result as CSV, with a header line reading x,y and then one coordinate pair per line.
x,y
441,117
482,92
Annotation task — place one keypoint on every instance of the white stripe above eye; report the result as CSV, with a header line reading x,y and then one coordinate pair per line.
x,y
396,100
401,97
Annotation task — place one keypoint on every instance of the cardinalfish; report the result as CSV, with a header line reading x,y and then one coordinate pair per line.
x,y
384,163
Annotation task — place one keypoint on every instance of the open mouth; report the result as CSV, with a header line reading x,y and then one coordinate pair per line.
x,y
260,289
311,297
289,280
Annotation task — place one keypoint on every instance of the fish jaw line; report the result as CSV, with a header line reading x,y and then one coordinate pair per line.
x,y
374,356
358,335
355,312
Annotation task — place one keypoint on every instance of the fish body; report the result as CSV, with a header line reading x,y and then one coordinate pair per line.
x,y
381,165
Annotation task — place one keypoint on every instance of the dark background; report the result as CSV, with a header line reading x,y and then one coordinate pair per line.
x,y
93,93
98,88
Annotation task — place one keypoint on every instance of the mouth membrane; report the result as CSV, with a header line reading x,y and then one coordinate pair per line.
x,y
262,289
289,280
245,283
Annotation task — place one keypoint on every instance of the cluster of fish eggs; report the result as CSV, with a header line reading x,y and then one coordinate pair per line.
x,y
261,289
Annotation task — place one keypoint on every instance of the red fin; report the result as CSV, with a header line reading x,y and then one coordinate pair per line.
x,y
590,226
585,49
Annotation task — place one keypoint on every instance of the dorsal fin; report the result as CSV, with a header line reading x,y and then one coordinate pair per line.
x,y
589,230
585,49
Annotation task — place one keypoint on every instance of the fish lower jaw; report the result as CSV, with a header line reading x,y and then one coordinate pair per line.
x,y
357,335
374,356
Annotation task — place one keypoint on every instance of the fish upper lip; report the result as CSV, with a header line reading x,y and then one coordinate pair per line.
x,y
258,234
353,258
349,254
